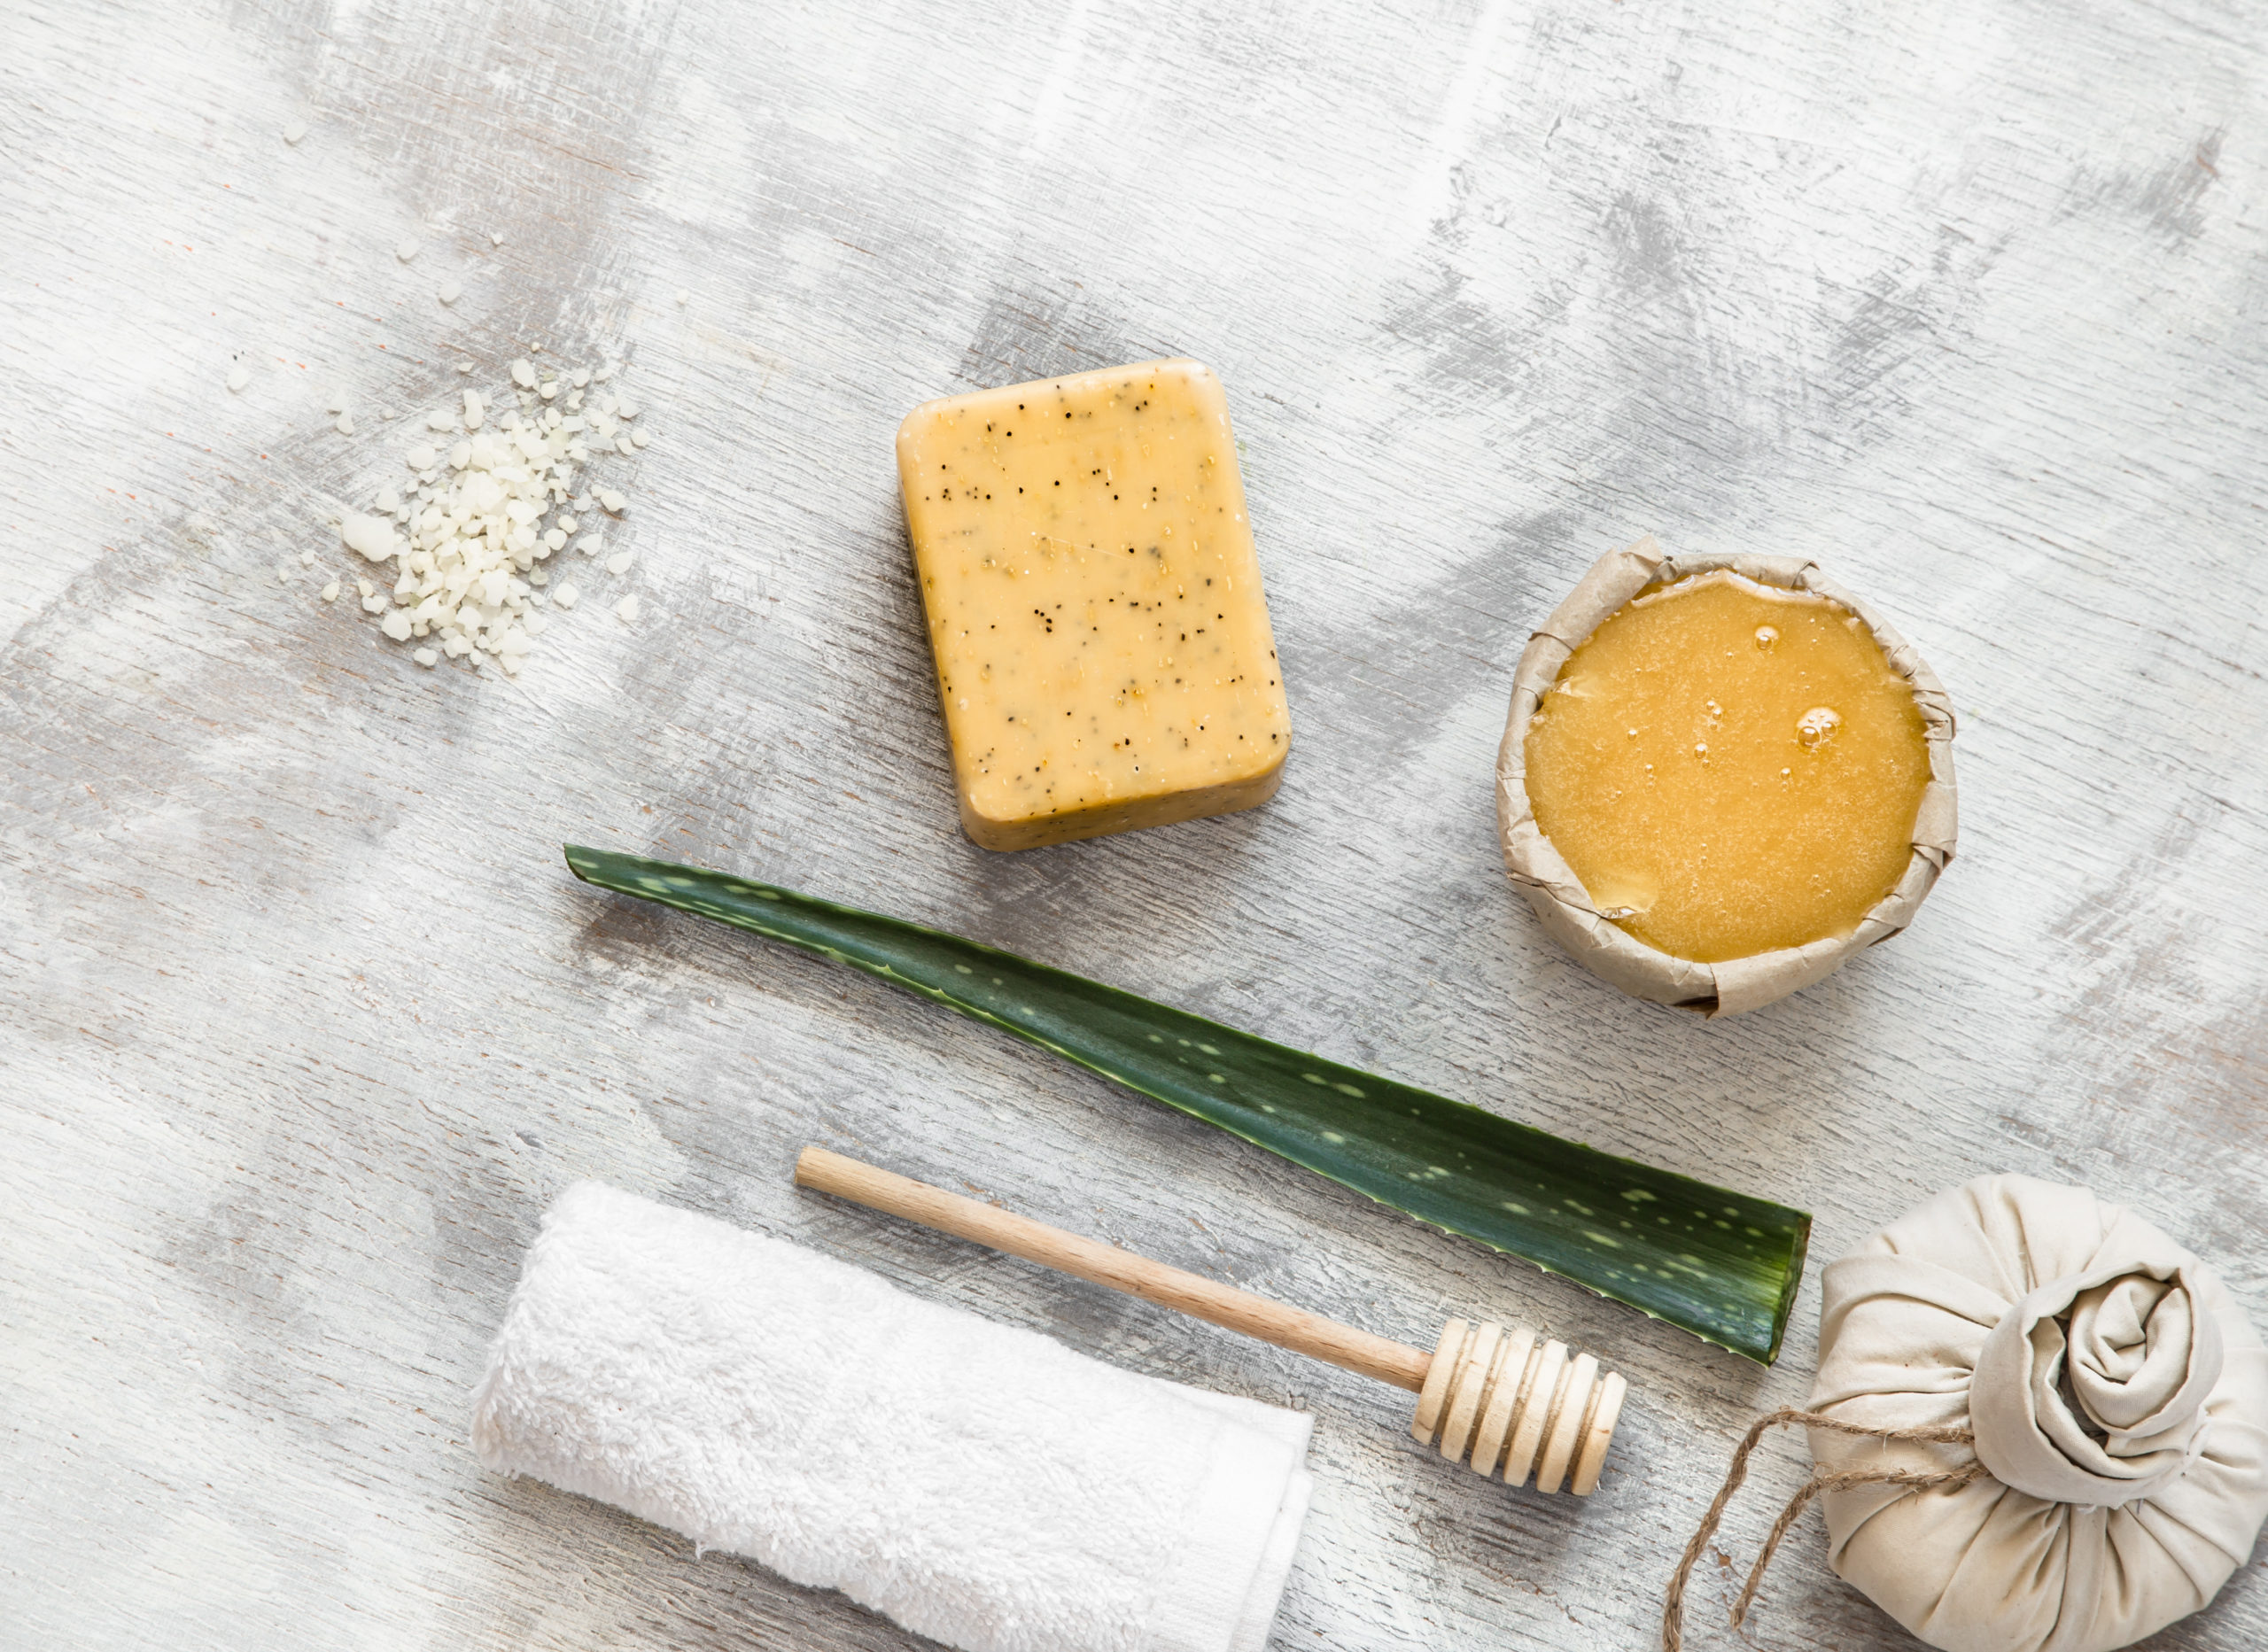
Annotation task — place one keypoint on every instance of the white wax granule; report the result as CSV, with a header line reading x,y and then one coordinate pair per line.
x,y
239,376
373,536
406,248
346,425
451,291
463,546
294,130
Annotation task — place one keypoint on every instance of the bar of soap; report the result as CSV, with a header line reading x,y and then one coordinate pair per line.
x,y
1730,768
1094,606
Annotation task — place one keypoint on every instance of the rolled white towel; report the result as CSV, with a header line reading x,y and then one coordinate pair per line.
x,y
982,1486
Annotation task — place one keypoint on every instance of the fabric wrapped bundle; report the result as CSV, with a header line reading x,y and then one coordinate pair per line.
x,y
2120,1401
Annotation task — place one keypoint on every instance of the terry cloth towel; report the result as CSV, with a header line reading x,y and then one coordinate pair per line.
x,y
981,1484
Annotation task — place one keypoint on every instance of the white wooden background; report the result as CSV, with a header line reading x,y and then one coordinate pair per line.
x,y
301,1021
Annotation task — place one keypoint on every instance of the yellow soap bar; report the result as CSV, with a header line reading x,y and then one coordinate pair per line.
x,y
1094,606
1730,768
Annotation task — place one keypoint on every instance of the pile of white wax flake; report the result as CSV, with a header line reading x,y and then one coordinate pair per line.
x,y
466,540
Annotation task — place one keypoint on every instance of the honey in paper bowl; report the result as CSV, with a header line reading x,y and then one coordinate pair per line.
x,y
1723,776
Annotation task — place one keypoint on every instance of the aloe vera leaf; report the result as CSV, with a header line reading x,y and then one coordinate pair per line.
x,y
1722,1265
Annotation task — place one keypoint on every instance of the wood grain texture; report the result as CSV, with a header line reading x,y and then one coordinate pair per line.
x,y
304,1022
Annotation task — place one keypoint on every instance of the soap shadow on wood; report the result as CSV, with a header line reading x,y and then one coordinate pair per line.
x,y
1046,902
1036,324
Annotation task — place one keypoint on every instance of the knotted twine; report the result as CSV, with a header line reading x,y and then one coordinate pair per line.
x,y
1822,1480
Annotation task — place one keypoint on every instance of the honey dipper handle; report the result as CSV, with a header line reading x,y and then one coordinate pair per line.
x,y
1103,1264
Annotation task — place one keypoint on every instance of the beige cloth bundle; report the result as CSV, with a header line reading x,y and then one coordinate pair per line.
x,y
2119,1401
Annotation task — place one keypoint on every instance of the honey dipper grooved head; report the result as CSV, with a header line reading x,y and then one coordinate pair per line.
x,y
1505,1397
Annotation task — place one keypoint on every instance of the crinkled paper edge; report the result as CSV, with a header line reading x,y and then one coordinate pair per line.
x,y
1739,985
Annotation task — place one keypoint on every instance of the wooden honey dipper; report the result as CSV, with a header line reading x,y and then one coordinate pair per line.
x,y
1490,1397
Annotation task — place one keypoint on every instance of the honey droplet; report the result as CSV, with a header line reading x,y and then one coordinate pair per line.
x,y
1766,635
1816,724
1701,750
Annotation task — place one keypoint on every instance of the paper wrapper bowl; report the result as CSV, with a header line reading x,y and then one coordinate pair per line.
x,y
1558,897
